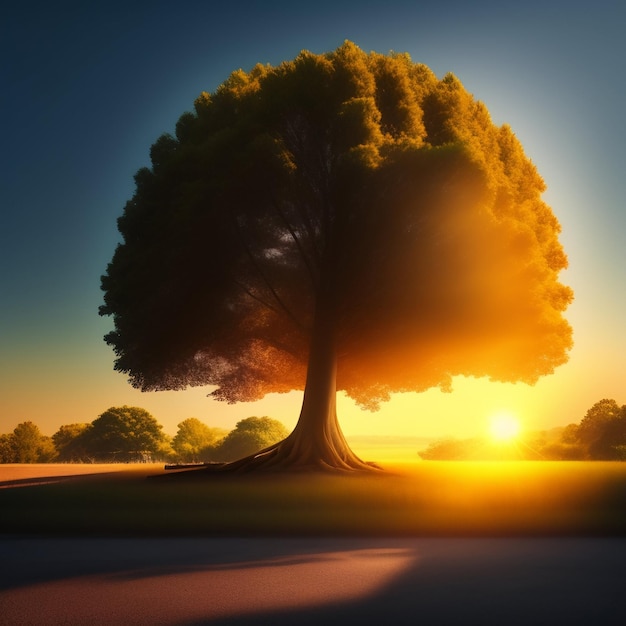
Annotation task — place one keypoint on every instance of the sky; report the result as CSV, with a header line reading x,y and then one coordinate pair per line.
x,y
86,88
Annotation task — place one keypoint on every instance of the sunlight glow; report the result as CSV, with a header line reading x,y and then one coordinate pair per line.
x,y
504,427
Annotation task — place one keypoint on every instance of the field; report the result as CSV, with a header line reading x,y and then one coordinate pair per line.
x,y
418,499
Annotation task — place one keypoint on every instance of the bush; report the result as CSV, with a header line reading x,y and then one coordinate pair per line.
x,y
249,436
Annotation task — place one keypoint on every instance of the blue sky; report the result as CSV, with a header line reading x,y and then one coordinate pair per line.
x,y
87,87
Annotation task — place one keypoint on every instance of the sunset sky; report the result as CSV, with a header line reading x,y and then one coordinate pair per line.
x,y
87,87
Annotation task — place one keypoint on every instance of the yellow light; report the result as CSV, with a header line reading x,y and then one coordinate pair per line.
x,y
504,427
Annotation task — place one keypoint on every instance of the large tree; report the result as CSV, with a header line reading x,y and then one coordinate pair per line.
x,y
343,221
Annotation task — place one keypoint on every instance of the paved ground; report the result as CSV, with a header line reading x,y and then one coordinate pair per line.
x,y
322,581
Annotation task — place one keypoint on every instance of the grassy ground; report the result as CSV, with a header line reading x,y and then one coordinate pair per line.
x,y
419,499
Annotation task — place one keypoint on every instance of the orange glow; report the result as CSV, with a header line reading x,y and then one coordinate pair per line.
x,y
504,427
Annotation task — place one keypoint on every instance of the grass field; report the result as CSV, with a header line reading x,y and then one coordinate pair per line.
x,y
418,499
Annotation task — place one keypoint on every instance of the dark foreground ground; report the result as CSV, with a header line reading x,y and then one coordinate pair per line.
x,y
500,544
425,499
302,581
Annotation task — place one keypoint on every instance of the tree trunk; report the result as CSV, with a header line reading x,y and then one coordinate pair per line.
x,y
317,442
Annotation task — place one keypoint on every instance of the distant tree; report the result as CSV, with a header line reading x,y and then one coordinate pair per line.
x,y
563,451
475,449
570,434
611,443
593,429
30,445
563,445
250,436
194,440
7,450
448,449
47,451
344,221
125,434
70,443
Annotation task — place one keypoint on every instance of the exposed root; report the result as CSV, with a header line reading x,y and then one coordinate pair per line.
x,y
288,457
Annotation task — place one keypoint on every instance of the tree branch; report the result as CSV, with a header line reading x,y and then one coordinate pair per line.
x,y
305,257
260,300
257,267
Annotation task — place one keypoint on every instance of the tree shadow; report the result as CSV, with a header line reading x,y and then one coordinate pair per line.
x,y
30,560
440,581
574,581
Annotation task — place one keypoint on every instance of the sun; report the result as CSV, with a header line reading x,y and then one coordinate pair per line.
x,y
504,427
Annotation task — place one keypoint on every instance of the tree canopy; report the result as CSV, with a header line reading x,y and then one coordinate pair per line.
x,y
603,430
194,439
343,221
124,433
69,442
26,444
249,436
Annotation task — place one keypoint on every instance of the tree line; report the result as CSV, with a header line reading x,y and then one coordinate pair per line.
x,y
599,436
131,434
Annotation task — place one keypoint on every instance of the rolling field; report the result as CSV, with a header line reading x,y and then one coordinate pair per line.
x,y
419,499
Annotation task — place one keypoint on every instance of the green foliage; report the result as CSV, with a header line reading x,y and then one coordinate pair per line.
x,y
610,445
70,443
131,434
603,428
7,453
26,444
125,434
195,441
47,451
26,441
249,436
358,184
